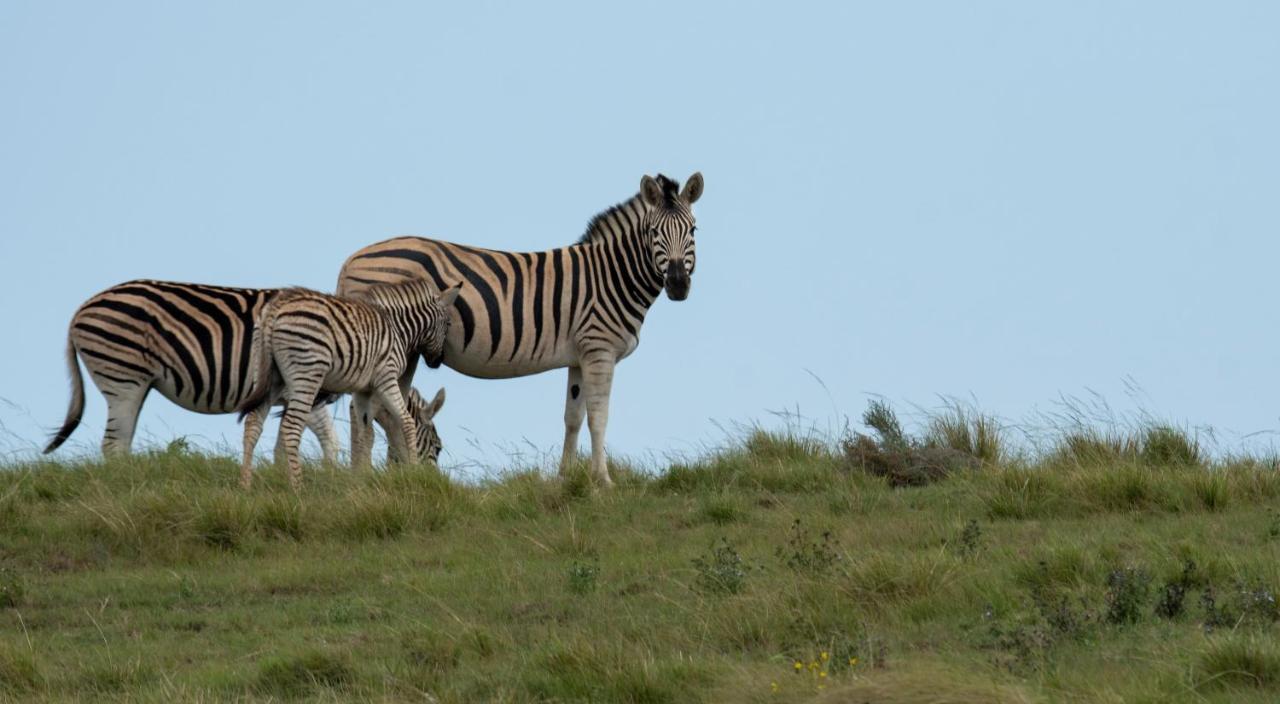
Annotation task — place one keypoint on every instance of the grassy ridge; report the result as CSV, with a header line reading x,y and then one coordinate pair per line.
x,y
1110,569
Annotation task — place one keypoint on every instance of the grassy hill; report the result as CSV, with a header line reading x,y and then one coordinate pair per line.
x,y
883,569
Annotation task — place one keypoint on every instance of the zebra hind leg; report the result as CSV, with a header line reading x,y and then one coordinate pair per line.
x,y
301,397
575,410
361,432
124,403
321,423
291,428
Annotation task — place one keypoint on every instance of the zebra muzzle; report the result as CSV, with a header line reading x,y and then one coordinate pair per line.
x,y
678,287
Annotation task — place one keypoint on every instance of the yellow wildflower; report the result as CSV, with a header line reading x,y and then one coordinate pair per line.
x,y
799,666
825,656
822,674
773,686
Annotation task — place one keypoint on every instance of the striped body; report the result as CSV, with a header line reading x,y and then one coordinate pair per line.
x,y
580,306
190,342
309,343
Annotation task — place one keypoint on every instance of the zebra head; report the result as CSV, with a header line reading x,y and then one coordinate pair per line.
x,y
424,413
428,439
669,225
432,348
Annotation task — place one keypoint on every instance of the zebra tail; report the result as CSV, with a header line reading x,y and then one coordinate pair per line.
x,y
76,410
266,366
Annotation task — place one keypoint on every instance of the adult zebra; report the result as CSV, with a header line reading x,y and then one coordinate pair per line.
x,y
579,306
190,342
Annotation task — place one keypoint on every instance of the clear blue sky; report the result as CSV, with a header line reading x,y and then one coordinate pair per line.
x,y
1005,201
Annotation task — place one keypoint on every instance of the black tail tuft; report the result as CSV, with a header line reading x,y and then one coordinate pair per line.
x,y
63,433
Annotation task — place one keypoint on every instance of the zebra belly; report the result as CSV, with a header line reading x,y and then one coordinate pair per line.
x,y
482,365
168,390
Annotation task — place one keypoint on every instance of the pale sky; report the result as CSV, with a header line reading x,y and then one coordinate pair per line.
x,y
1003,201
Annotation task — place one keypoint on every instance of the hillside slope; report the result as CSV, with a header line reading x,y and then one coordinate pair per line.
x,y
779,571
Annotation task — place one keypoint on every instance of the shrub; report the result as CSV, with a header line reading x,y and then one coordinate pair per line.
x,y
721,571
970,541
1128,589
1174,592
899,459
804,554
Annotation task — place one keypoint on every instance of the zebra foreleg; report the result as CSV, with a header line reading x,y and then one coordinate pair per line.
x,y
390,422
252,432
597,378
388,394
575,410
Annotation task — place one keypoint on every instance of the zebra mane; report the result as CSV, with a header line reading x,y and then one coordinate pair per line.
x,y
597,226
385,294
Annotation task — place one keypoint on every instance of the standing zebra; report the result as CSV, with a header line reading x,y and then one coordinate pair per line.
x,y
579,306
316,343
191,342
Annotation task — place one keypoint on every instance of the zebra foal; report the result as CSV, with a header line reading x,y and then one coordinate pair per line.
x,y
311,343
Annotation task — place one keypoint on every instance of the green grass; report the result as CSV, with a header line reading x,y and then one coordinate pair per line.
x,y
1064,578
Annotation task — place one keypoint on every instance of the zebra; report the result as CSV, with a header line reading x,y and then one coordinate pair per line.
x,y
190,342
314,343
579,306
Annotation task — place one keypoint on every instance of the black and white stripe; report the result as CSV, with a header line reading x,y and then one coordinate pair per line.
x,y
190,342
309,343
579,307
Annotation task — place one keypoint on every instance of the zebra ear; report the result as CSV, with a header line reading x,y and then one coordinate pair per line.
x,y
436,404
692,188
450,295
651,191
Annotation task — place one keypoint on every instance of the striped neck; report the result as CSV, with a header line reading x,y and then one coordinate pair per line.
x,y
619,234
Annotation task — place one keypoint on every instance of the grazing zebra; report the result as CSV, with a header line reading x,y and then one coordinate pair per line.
x,y
314,343
428,441
191,342
579,307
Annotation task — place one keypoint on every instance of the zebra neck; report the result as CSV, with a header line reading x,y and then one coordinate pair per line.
x,y
618,258
408,325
